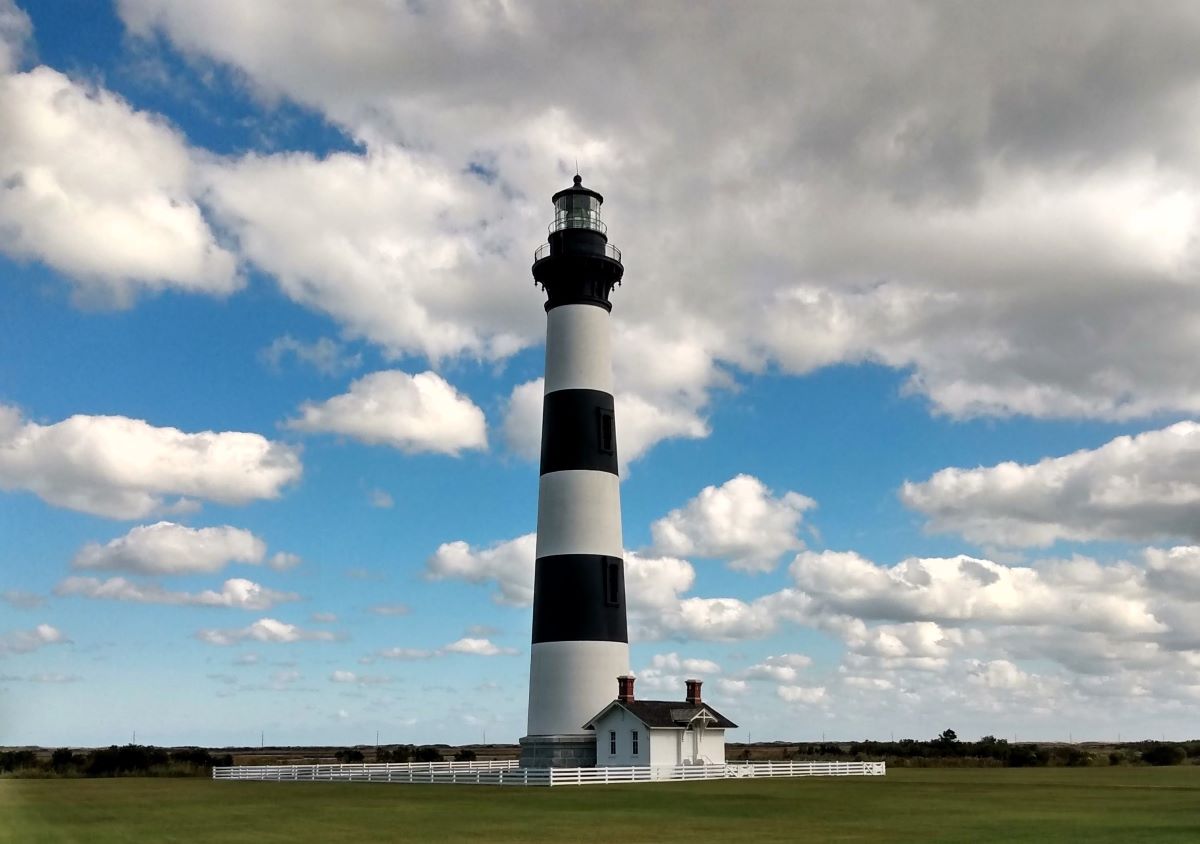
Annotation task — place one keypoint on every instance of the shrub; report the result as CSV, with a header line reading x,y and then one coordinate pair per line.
x,y
1164,754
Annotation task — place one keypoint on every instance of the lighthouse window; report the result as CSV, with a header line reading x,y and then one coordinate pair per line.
x,y
612,582
608,432
635,742
612,742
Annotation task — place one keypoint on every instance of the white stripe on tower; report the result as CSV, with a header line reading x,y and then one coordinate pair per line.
x,y
579,512
580,336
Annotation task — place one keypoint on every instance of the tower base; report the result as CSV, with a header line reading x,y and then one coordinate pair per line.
x,y
569,751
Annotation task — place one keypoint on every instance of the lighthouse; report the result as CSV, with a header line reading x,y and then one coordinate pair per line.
x,y
580,639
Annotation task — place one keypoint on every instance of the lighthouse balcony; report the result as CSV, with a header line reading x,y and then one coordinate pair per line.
x,y
610,251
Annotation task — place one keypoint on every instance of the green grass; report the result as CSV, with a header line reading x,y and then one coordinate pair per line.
x,y
949,804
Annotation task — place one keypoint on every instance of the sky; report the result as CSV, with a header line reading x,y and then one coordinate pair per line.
x,y
905,363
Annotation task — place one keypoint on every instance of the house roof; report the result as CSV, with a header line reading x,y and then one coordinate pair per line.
x,y
671,714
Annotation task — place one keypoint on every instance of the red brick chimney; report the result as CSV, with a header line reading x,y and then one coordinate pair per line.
x,y
625,688
693,692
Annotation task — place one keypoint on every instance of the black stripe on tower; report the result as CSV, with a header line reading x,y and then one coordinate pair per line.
x,y
579,598
579,431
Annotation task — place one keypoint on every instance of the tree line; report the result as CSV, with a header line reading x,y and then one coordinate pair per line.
x,y
948,749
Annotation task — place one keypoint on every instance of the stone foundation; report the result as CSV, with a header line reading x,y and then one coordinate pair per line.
x,y
576,751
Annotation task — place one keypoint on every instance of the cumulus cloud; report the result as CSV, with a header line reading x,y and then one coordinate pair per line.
x,y
404,654
477,647
125,468
393,244
1078,594
283,560
15,32
740,521
22,600
380,498
509,565
168,548
903,188
1175,571
99,191
1141,487
783,668
237,593
414,413
267,630
326,356
391,609
25,641
351,677
667,672
805,695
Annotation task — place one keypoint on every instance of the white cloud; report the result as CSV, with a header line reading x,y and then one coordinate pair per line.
x,y
324,617
21,600
15,32
1137,488
414,413
1175,571
902,197
739,520
523,419
358,679
381,499
128,469
917,645
391,609
478,647
507,564
673,663
732,688
323,354
405,654
237,593
168,548
393,244
805,695
101,192
654,584
1073,594
25,641
263,630
784,668
667,672
283,560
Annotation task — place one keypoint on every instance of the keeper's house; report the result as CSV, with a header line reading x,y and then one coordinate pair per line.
x,y
659,732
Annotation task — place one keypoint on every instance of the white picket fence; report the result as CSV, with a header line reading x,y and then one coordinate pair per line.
x,y
507,772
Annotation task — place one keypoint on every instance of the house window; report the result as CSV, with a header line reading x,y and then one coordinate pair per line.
x,y
608,434
635,742
612,742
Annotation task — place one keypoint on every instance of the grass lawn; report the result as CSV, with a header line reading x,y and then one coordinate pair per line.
x,y
1121,804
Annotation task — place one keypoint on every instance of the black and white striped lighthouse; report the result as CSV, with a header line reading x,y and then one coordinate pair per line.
x,y
580,638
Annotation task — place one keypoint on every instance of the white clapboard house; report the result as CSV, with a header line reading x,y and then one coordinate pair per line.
x,y
659,732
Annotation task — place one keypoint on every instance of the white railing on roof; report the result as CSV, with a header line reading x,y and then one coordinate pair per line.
x,y
507,772
610,251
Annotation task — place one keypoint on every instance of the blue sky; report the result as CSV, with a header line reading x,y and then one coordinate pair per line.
x,y
904,364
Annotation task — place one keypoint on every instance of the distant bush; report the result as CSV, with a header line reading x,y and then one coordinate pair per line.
x,y
399,753
464,756
427,754
1027,756
1164,754
349,756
